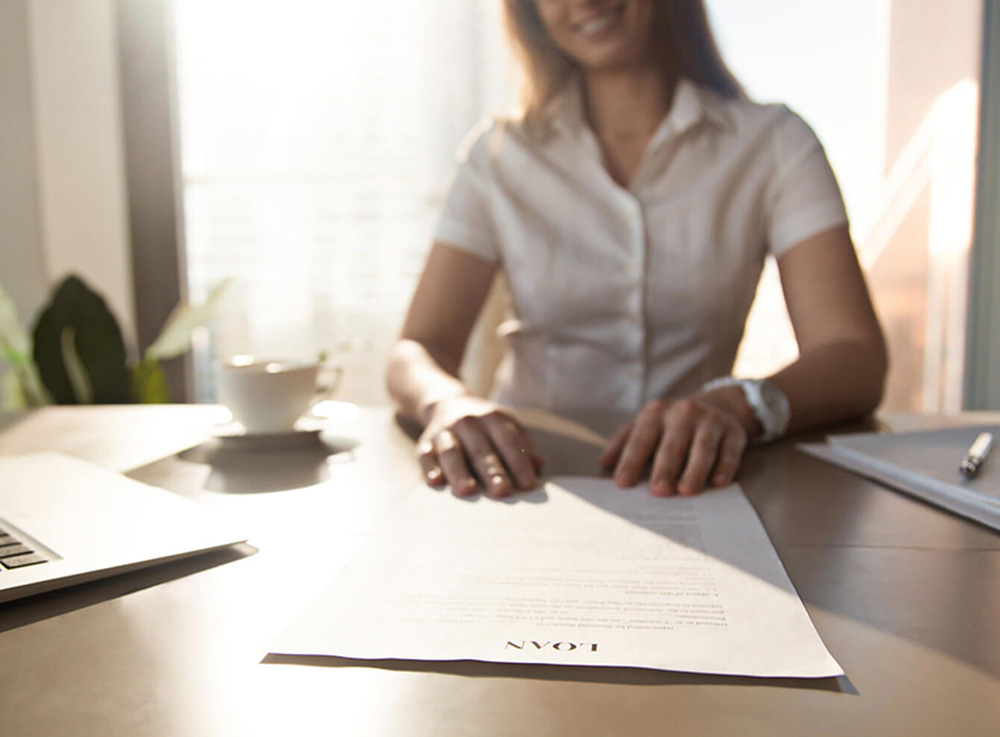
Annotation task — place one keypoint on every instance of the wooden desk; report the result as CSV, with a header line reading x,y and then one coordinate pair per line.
x,y
906,597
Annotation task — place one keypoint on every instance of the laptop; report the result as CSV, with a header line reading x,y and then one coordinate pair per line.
x,y
64,521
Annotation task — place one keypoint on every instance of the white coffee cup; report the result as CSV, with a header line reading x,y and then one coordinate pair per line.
x,y
270,395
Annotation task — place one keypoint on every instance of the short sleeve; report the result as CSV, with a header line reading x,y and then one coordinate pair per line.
x,y
803,198
466,221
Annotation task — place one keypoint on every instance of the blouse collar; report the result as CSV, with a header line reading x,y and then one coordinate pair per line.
x,y
691,105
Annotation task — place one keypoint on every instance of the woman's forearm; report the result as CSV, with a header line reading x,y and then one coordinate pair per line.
x,y
416,379
834,382
423,365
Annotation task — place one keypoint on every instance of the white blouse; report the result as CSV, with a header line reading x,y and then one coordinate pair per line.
x,y
623,295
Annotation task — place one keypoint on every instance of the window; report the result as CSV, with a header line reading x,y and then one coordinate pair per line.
x,y
317,138
891,88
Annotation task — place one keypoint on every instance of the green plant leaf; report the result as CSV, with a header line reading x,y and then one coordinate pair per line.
x,y
22,387
175,337
11,394
13,337
79,382
97,343
149,383
31,384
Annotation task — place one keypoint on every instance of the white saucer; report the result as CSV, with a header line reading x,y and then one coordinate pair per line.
x,y
306,431
307,427
333,411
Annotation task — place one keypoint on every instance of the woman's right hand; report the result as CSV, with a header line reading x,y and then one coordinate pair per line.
x,y
468,437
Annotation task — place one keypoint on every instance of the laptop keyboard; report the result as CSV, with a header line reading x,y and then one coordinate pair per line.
x,y
14,553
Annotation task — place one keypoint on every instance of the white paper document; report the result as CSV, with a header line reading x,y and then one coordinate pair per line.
x,y
579,572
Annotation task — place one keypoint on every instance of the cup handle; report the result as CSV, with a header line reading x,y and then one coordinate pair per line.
x,y
326,384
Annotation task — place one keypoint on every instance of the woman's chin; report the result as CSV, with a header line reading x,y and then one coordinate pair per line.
x,y
612,63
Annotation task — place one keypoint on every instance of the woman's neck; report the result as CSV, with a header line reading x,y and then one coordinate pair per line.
x,y
625,105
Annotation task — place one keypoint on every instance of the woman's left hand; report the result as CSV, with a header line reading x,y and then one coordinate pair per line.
x,y
691,442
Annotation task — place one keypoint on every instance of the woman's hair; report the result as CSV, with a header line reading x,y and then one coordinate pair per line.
x,y
681,42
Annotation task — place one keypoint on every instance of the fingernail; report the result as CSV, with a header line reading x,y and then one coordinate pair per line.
x,y
434,476
720,480
499,486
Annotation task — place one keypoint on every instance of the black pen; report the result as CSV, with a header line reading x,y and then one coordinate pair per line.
x,y
976,456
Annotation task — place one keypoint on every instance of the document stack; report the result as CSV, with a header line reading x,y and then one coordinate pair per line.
x,y
926,464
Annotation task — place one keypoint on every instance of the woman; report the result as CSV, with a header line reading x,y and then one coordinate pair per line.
x,y
631,208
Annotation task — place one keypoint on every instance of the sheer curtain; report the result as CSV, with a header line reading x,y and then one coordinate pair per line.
x,y
317,139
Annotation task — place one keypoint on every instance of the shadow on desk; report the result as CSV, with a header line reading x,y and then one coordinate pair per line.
x,y
565,673
239,468
21,612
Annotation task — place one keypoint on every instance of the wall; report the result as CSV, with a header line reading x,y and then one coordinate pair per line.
x,y
22,268
983,386
62,185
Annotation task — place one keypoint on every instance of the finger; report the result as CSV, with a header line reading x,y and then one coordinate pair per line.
x,y
702,455
453,463
537,459
613,449
672,452
730,454
429,463
514,446
528,444
483,457
641,443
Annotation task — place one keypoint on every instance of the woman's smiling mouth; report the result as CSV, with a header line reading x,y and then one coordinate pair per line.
x,y
596,25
